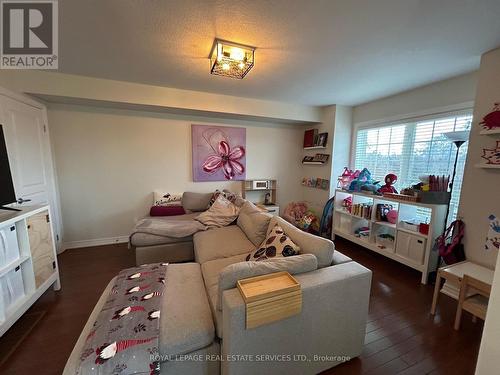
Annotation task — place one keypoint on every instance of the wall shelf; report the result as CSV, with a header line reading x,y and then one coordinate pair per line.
x,y
488,132
488,166
410,248
314,147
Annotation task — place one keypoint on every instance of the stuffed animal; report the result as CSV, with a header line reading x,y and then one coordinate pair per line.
x,y
364,181
390,180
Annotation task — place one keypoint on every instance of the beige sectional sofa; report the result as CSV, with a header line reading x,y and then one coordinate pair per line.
x,y
203,317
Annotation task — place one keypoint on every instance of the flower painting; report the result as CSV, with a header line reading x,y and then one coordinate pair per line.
x,y
219,153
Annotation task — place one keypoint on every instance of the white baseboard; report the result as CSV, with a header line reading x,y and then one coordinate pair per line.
x,y
94,242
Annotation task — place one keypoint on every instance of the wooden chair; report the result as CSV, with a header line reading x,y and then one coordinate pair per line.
x,y
476,304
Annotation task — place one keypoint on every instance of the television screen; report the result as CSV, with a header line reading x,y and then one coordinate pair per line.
x,y
7,194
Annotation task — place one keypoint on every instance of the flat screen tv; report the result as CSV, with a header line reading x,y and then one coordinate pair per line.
x,y
7,194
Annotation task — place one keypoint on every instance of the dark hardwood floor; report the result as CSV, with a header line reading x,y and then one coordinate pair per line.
x,y
401,336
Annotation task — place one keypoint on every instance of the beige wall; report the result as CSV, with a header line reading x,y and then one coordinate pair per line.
x,y
481,187
425,99
109,161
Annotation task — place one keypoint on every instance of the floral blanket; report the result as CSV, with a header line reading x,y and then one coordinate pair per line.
x,y
125,337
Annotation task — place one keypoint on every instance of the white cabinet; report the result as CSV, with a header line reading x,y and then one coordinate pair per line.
x,y
411,246
356,217
28,265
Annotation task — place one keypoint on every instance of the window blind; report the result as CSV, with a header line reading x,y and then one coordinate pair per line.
x,y
414,148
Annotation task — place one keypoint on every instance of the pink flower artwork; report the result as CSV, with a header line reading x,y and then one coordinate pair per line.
x,y
219,153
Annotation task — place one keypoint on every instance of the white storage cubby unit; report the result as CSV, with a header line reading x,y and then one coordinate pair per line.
x,y
409,247
28,263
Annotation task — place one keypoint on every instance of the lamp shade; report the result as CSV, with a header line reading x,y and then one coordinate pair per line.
x,y
458,136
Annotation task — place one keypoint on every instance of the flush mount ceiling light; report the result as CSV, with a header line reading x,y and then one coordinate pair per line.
x,y
231,59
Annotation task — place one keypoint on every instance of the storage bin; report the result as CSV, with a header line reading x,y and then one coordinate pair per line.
x,y
9,247
12,284
411,247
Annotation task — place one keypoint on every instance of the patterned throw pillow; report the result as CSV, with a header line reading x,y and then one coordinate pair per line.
x,y
231,197
276,244
166,199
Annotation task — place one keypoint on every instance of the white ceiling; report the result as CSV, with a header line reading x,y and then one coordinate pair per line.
x,y
314,52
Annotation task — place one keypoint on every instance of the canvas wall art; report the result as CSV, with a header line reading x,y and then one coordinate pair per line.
x,y
219,153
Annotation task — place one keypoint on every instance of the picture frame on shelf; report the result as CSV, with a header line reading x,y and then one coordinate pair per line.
x,y
322,139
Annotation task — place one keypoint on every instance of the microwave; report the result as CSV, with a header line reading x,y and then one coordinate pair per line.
x,y
261,185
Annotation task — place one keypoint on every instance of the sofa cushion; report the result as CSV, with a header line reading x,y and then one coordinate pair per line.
x,y
254,222
220,243
229,276
339,258
187,323
277,244
220,214
196,201
309,244
211,270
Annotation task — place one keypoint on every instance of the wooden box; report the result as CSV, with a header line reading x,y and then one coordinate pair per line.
x,y
269,298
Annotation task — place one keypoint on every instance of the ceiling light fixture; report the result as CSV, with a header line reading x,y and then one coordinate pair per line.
x,y
231,59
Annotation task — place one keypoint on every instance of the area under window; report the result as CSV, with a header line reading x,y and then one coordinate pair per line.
x,y
412,149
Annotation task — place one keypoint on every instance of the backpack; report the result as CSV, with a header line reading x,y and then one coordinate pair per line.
x,y
449,244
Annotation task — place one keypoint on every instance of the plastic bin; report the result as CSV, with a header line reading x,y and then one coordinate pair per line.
x,y
9,247
12,285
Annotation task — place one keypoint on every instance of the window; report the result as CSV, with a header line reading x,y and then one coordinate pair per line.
x,y
412,149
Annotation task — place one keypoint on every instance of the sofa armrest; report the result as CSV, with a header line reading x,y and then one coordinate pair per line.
x,y
329,330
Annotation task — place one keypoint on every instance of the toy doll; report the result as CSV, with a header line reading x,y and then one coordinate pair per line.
x,y
390,180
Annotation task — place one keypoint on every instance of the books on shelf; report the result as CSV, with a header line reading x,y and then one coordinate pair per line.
x,y
317,159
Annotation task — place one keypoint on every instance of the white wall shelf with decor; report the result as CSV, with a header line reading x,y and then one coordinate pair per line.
x,y
314,147
490,132
488,166
28,261
409,247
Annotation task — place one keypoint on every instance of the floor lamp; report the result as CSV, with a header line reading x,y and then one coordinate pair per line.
x,y
458,138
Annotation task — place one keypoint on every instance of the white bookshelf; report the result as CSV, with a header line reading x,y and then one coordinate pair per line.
x,y
28,261
411,248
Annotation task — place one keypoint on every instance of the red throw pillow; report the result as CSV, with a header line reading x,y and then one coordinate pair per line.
x,y
166,211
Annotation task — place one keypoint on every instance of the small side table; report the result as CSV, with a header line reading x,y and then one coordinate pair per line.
x,y
454,274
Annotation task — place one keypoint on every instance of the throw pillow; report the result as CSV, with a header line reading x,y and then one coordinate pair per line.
x,y
230,196
161,198
221,214
253,222
196,201
166,211
276,244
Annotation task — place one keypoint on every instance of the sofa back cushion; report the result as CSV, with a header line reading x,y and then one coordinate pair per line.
x,y
220,214
196,202
230,275
253,222
308,243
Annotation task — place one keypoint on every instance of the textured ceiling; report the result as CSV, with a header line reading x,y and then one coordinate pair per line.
x,y
310,52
